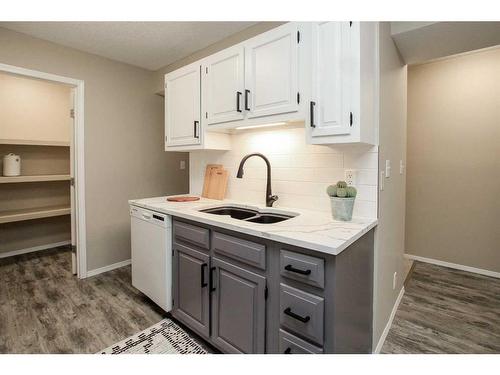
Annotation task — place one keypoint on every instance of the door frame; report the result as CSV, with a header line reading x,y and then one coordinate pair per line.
x,y
78,153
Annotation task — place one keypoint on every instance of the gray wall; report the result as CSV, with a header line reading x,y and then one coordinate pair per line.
x,y
454,160
124,155
389,239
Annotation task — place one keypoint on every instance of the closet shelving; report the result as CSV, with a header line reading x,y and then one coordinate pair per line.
x,y
29,142
33,213
44,210
41,178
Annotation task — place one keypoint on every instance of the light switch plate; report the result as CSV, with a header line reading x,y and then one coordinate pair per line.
x,y
387,168
401,167
182,164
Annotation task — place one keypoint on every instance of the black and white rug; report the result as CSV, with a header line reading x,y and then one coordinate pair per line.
x,y
165,337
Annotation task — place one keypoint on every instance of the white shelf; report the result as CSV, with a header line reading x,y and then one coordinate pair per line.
x,y
33,213
29,142
41,178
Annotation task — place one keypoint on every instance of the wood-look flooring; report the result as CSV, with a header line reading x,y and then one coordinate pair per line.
x,y
446,311
45,309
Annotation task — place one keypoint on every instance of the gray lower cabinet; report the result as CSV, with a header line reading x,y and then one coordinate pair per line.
x,y
246,294
238,308
191,292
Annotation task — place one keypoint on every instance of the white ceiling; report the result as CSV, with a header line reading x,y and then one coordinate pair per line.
x,y
150,45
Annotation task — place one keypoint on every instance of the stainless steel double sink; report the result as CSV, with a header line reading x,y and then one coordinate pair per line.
x,y
248,214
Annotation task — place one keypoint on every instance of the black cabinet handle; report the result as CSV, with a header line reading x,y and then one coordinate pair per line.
x,y
203,282
238,98
311,114
212,288
291,268
288,351
302,319
247,92
196,135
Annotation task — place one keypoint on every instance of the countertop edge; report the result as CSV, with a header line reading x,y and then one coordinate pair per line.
x,y
270,236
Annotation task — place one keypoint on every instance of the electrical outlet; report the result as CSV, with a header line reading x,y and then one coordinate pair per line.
x,y
350,176
387,168
394,279
401,167
182,164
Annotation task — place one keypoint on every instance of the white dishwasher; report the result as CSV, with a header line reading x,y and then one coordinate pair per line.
x,y
151,235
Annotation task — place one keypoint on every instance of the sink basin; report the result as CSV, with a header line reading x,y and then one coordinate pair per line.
x,y
234,212
268,219
248,214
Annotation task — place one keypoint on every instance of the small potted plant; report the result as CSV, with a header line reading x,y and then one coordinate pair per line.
x,y
342,199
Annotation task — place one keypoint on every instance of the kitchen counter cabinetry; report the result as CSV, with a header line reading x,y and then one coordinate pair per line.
x,y
246,294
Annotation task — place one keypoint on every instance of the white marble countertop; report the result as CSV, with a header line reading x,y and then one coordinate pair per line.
x,y
309,229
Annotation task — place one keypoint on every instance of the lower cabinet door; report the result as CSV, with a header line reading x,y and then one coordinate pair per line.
x,y
238,308
191,293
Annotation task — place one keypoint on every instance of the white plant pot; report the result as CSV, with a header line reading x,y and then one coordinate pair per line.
x,y
342,208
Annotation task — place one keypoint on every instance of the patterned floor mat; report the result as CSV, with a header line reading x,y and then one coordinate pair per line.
x,y
166,337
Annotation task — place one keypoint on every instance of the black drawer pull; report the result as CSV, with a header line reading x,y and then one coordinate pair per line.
x,y
302,319
296,270
212,288
288,351
203,282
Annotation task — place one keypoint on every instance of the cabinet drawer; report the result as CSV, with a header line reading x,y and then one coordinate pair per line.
x,y
192,234
307,269
245,251
302,313
290,344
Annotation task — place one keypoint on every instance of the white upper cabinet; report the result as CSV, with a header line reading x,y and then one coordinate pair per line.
x,y
224,85
272,72
183,106
324,74
331,83
343,86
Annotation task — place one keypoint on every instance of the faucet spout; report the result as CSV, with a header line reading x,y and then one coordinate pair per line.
x,y
270,198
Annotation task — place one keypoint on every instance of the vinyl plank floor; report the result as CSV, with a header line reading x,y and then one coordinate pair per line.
x,y
446,311
45,309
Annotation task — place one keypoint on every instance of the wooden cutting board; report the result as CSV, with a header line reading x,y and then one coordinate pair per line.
x,y
215,183
183,199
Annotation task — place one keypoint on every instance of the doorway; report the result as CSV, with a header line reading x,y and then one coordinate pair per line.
x,y
43,204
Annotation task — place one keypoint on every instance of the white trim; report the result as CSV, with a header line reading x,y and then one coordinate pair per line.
x,y
111,267
79,134
454,265
389,323
81,243
33,249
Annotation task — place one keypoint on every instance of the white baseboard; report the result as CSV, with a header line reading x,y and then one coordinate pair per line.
x,y
34,248
454,265
111,267
389,323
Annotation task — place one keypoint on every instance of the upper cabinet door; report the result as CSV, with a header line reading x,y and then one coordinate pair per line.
x,y
183,106
224,86
272,72
329,109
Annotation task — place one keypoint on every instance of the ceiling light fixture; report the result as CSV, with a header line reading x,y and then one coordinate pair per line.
x,y
260,126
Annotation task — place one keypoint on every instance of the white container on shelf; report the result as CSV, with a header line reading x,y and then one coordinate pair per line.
x,y
11,165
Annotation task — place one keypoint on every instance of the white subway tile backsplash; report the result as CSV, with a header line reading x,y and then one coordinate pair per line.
x,y
300,172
